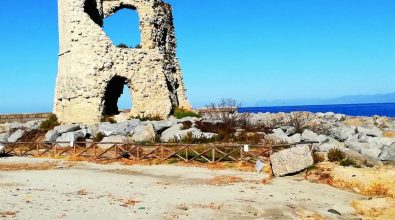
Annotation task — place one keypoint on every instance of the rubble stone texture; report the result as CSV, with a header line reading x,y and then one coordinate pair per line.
x,y
92,71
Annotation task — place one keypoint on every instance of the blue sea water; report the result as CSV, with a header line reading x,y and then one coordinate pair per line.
x,y
381,109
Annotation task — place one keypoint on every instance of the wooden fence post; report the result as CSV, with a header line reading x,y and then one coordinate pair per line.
x,y
186,154
213,154
241,153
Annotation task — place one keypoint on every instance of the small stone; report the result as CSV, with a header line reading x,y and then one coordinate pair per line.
x,y
334,212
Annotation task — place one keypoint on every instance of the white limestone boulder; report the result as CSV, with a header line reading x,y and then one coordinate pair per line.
x,y
7,127
70,137
14,137
2,149
67,128
160,126
111,141
280,136
388,153
4,137
123,128
291,160
144,133
176,133
342,132
51,136
371,152
33,125
371,132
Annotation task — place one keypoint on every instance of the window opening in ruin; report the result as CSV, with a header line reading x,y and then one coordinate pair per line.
x,y
123,28
117,96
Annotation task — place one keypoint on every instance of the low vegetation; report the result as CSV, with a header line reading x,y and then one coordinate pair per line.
x,y
336,155
180,113
186,125
107,118
189,138
224,112
302,121
98,137
349,162
317,157
50,123
248,137
155,117
122,45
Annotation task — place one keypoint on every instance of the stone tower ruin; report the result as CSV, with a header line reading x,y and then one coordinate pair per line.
x,y
92,71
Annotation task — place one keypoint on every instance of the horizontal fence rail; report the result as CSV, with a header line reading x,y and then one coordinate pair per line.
x,y
205,153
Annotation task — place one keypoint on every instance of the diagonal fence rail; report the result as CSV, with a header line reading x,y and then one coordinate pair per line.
x,y
205,153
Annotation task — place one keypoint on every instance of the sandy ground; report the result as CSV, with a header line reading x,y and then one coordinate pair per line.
x,y
82,190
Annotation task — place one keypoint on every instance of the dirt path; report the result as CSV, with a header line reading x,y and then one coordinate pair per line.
x,y
91,191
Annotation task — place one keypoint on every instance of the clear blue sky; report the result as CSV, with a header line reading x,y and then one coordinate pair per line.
x,y
248,50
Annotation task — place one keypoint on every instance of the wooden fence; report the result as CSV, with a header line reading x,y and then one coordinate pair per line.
x,y
160,152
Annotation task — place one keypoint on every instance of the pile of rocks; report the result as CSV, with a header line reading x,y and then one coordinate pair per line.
x,y
371,137
12,132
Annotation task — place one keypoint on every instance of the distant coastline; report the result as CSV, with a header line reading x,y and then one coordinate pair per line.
x,y
362,109
350,99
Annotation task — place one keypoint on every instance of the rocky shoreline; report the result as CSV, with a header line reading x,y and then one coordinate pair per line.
x,y
370,137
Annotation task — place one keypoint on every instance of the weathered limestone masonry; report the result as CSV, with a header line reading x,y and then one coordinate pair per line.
x,y
22,118
92,71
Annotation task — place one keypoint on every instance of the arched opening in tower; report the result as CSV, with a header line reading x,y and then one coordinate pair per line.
x,y
123,28
117,96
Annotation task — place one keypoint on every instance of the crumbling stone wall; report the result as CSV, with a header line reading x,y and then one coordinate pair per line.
x,y
92,71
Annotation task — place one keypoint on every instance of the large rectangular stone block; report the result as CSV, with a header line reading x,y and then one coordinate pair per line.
x,y
291,160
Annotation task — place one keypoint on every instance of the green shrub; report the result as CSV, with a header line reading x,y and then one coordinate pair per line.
x,y
122,45
172,161
317,157
367,164
99,137
224,131
186,125
107,118
245,137
348,162
189,138
312,167
50,123
180,113
335,155
156,117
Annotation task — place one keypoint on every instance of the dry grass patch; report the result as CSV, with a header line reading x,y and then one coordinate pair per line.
x,y
389,134
27,166
8,214
308,215
238,166
82,192
225,180
129,202
377,181
354,122
378,208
